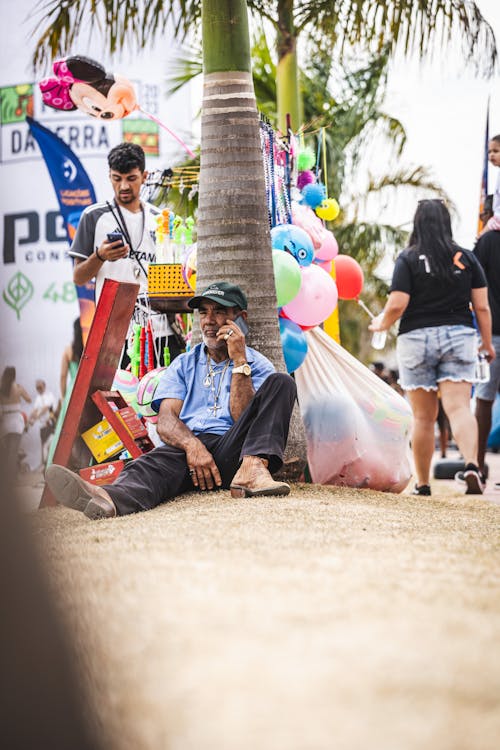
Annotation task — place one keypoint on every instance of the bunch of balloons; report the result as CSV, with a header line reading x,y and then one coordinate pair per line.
x,y
310,275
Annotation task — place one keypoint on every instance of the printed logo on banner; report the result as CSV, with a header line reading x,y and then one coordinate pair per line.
x,y
144,133
15,103
18,292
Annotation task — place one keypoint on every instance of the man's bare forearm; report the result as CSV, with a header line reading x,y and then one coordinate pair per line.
x,y
174,432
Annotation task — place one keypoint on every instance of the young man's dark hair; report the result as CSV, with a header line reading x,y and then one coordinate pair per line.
x,y
125,157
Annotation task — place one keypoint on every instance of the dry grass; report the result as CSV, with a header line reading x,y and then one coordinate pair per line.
x,y
333,618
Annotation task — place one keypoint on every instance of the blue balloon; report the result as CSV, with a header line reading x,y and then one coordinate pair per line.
x,y
293,341
294,240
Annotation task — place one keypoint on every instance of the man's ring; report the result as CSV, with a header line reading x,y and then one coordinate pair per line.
x,y
192,471
230,332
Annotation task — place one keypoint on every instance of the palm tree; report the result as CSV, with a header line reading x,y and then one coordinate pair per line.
x,y
331,25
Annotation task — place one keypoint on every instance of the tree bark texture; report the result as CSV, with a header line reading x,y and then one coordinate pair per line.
x,y
234,242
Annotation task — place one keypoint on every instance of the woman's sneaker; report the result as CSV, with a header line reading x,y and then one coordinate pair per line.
x,y
424,489
473,480
460,477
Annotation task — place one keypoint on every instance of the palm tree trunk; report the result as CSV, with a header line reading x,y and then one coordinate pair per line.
x,y
287,72
234,241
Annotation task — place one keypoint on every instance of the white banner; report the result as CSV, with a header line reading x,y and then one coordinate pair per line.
x,y
38,301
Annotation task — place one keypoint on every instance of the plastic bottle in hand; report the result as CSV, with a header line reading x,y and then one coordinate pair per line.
x,y
379,339
482,374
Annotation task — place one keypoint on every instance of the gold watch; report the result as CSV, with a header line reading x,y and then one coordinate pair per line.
x,y
243,369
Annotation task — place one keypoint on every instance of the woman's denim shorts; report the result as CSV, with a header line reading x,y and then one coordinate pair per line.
x,y
427,356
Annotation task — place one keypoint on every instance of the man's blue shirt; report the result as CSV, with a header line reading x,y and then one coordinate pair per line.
x,y
184,380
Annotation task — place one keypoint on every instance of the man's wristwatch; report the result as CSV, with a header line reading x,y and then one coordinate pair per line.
x,y
243,369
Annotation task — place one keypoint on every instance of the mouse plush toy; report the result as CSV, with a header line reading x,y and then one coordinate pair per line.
x,y
81,83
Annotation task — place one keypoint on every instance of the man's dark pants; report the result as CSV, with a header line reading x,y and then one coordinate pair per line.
x,y
262,430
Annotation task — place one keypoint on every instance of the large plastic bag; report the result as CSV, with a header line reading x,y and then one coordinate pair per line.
x,y
357,426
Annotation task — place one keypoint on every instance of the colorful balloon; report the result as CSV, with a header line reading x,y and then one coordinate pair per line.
x,y
316,300
146,391
348,277
295,241
328,210
294,344
304,217
287,277
81,83
125,382
328,249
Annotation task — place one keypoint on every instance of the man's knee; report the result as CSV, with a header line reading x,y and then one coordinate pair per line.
x,y
281,383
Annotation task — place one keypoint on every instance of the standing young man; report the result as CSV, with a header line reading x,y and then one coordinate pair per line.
x,y
127,257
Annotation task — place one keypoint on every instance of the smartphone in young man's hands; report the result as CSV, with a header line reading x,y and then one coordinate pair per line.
x,y
114,237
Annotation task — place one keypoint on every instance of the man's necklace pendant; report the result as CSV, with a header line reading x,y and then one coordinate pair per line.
x,y
207,381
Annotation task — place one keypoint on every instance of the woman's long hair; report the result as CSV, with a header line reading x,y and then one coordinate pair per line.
x,y
432,237
77,343
8,378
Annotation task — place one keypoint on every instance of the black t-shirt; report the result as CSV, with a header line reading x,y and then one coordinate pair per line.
x,y
436,301
487,251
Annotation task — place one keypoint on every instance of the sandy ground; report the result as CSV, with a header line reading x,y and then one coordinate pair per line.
x,y
333,618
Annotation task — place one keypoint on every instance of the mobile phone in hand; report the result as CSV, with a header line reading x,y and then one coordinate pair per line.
x,y
242,324
114,237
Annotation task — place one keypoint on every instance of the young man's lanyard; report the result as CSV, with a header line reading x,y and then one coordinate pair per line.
x,y
120,220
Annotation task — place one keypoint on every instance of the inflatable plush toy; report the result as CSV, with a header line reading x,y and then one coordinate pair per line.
x,y
81,83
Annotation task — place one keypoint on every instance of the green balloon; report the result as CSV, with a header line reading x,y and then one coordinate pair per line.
x,y
287,276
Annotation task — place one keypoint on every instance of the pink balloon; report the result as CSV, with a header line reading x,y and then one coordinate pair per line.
x,y
326,265
316,300
328,249
305,218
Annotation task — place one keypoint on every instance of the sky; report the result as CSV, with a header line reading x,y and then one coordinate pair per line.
x,y
443,108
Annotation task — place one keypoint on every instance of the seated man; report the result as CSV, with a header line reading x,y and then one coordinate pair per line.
x,y
223,416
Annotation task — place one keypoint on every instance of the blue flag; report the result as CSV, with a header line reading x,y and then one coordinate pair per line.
x,y
73,187
74,191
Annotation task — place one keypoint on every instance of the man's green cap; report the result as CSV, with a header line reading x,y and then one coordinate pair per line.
x,y
226,294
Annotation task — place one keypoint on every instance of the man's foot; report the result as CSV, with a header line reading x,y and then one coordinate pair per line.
x,y
253,479
74,492
473,480
423,489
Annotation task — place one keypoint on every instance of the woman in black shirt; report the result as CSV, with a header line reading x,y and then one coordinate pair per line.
x,y
433,286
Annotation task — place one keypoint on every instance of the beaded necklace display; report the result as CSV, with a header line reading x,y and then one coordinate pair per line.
x,y
209,382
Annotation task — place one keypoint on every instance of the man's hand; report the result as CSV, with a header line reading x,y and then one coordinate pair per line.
x,y
235,341
112,250
202,467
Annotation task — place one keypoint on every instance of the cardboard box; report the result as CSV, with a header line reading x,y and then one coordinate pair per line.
x,y
102,473
102,441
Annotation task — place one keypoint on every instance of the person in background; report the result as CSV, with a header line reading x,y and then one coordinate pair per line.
x,y
487,251
69,367
45,413
224,416
12,420
433,286
492,222
71,358
379,369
